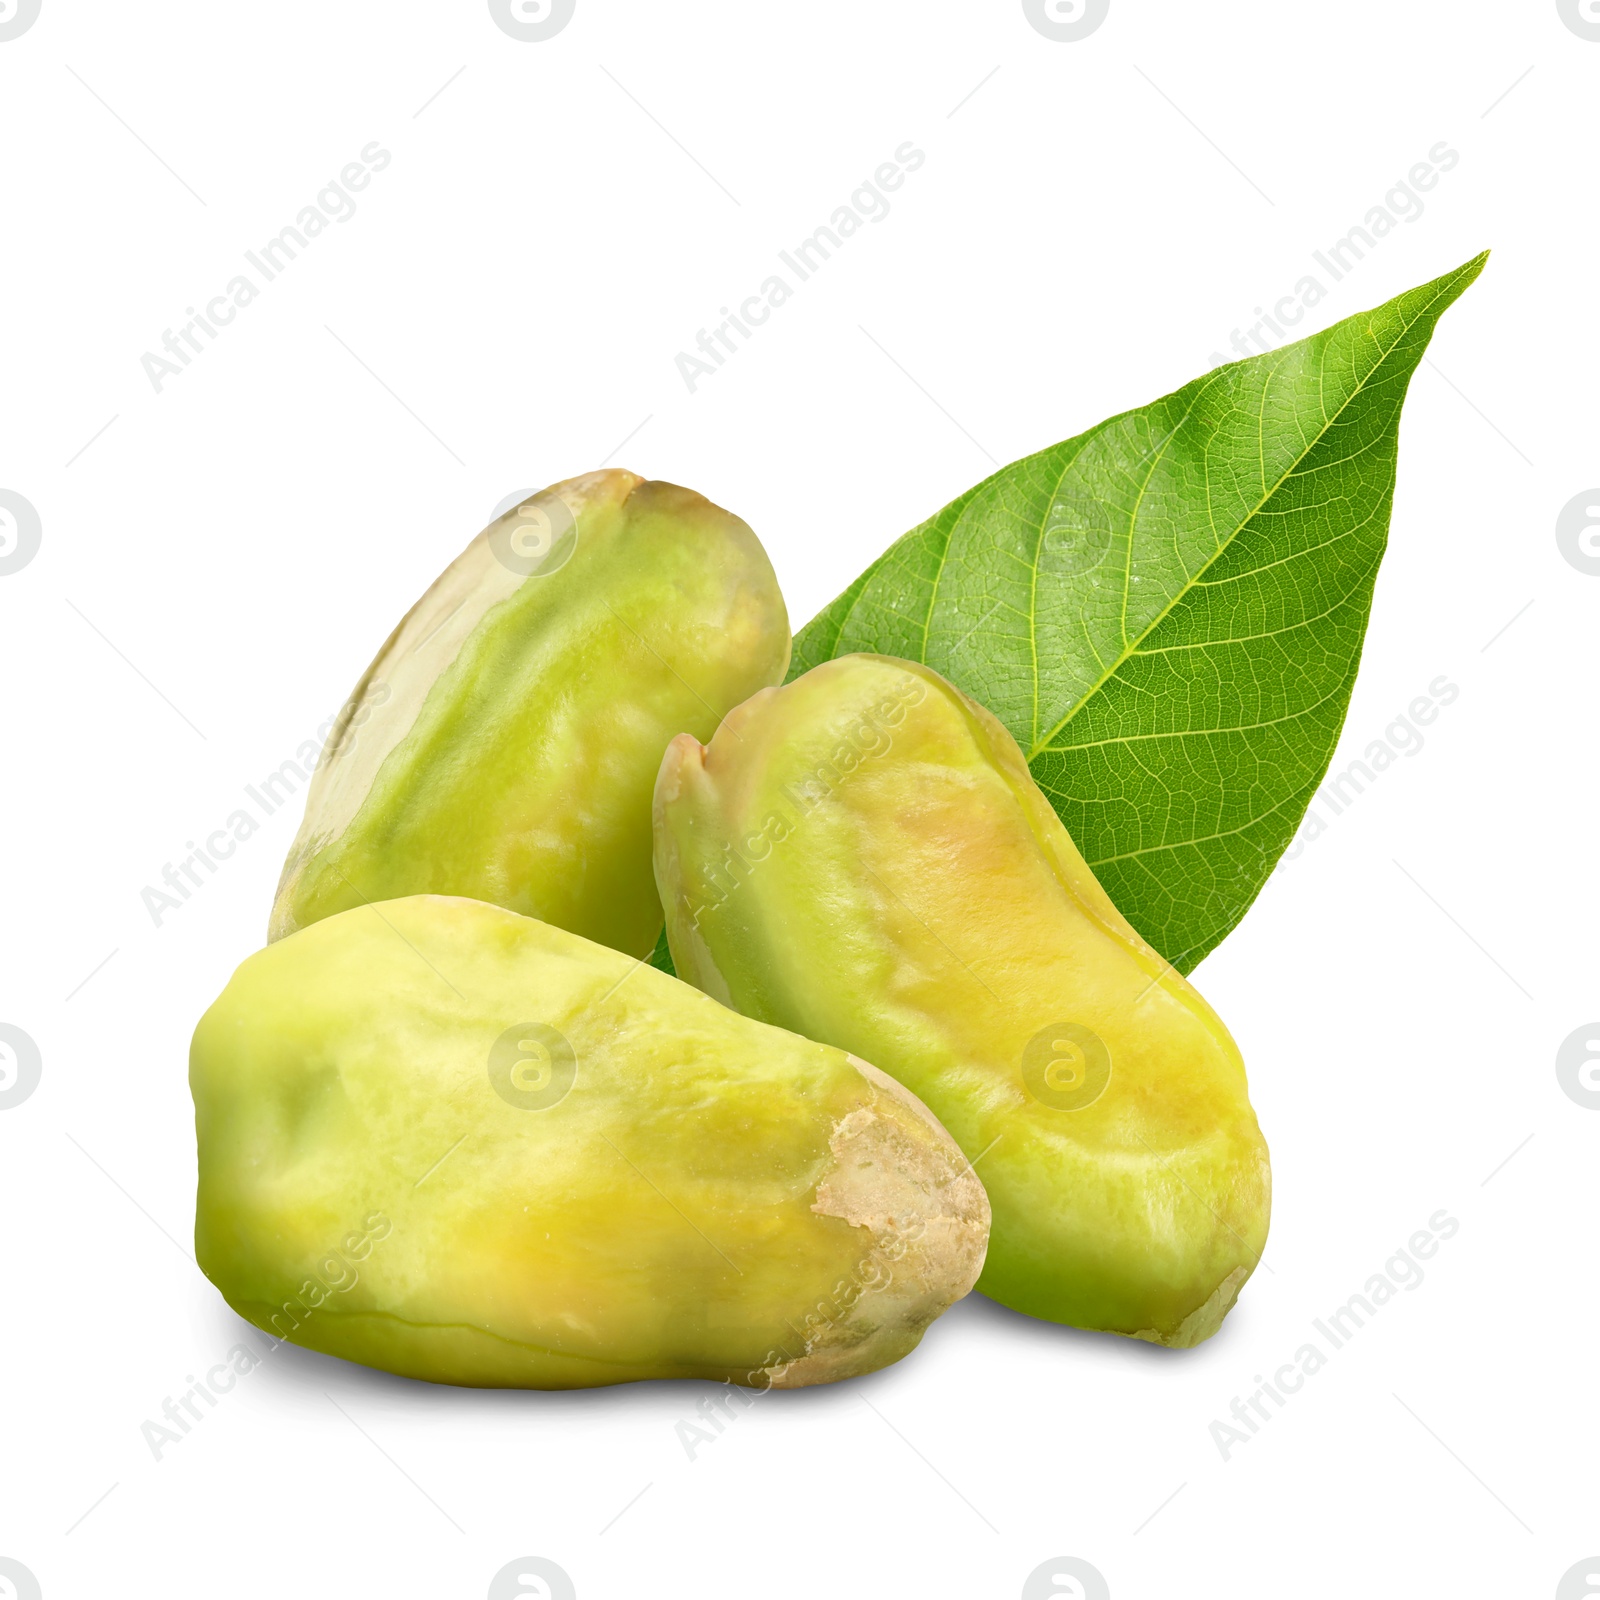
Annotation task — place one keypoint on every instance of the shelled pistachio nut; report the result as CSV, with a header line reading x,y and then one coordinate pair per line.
x,y
458,1144
864,857
504,742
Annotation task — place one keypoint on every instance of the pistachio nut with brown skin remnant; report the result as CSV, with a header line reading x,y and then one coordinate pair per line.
x,y
863,857
504,743
452,1142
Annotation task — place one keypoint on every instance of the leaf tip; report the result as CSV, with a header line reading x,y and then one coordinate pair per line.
x,y
1449,287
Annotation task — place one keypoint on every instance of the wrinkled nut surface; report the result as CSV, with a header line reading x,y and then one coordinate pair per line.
x,y
504,742
458,1144
864,857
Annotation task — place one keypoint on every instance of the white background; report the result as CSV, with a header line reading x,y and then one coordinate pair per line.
x,y
502,311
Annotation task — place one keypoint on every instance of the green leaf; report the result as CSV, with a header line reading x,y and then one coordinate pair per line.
x,y
661,957
1167,611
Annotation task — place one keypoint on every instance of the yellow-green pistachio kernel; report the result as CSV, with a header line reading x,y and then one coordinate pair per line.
x,y
864,857
458,1144
504,742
